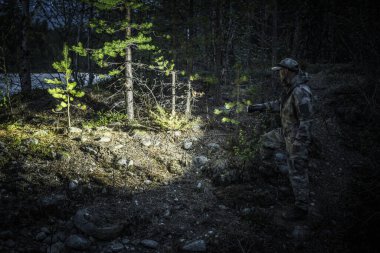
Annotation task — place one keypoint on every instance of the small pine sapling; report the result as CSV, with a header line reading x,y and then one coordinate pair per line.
x,y
65,92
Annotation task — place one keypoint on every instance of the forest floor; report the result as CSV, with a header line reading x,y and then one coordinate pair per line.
x,y
122,188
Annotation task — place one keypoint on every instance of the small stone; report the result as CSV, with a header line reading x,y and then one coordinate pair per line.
x,y
125,241
117,147
75,130
148,182
177,133
116,247
104,139
146,142
195,246
199,185
247,211
31,141
222,207
280,156
150,243
187,145
213,146
41,236
130,163
122,162
196,128
200,161
52,200
73,185
78,242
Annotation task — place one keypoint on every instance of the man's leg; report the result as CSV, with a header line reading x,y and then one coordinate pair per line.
x,y
299,179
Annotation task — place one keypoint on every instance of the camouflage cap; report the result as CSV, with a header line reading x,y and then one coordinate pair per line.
x,y
287,63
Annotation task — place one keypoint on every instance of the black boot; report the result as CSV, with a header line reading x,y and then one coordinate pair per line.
x,y
294,214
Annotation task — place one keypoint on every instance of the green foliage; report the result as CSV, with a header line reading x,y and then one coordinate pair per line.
x,y
166,121
66,90
237,107
16,135
244,148
105,118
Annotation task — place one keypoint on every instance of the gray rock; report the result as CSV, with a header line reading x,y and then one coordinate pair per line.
x,y
117,147
149,244
146,142
78,242
41,236
196,128
177,133
125,240
75,130
213,146
195,246
117,246
122,162
30,141
104,139
279,156
57,247
83,221
187,145
200,161
73,185
52,200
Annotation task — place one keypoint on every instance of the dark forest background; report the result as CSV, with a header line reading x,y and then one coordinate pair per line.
x,y
204,36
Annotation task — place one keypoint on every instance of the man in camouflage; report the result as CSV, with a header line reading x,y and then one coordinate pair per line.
x,y
295,108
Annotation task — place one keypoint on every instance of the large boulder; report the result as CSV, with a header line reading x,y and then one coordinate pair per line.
x,y
92,224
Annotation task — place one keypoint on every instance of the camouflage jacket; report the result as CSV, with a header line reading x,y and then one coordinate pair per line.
x,y
296,110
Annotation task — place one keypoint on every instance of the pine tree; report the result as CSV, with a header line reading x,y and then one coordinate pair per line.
x,y
129,37
65,92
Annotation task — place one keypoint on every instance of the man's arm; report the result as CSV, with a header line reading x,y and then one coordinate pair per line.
x,y
304,108
272,106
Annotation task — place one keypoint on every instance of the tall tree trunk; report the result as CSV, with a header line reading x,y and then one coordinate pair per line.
x,y
173,92
25,76
296,36
128,69
274,32
89,61
217,48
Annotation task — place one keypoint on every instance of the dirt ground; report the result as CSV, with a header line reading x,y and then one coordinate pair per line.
x,y
146,191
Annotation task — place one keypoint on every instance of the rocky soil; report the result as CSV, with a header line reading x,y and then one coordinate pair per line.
x,y
118,189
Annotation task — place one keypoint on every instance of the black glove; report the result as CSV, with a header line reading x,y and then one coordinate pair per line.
x,y
256,108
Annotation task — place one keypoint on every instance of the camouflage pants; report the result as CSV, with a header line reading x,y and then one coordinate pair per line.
x,y
275,148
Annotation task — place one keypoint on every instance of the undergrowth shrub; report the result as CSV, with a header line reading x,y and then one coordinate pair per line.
x,y
165,121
